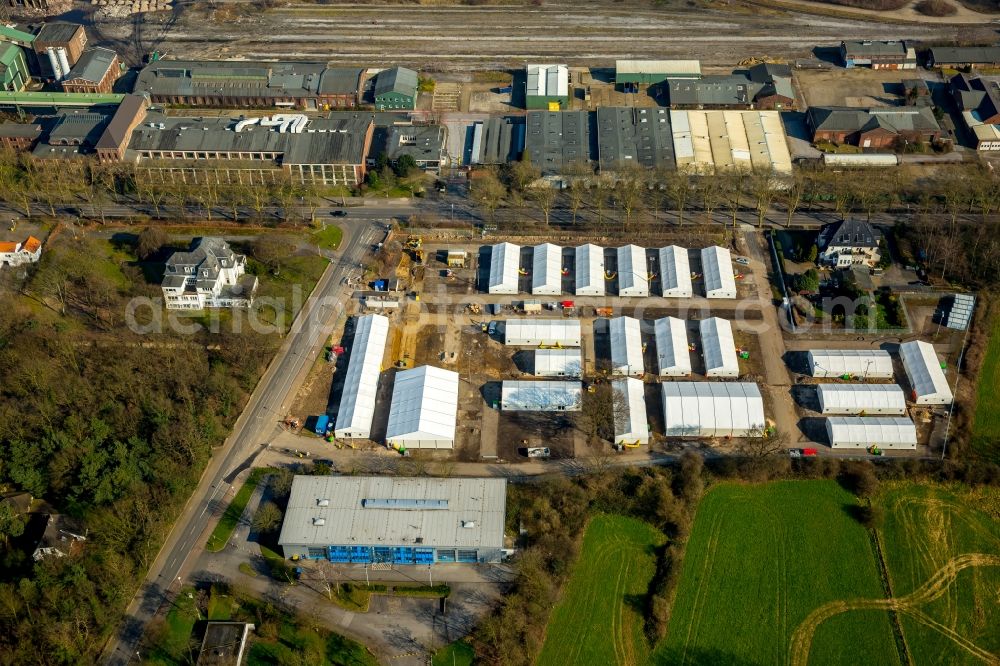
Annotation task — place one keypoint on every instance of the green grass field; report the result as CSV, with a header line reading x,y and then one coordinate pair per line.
x,y
458,653
219,537
987,420
599,619
328,237
761,558
925,529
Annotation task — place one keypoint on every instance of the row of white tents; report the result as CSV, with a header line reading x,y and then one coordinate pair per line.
x,y
424,404
633,272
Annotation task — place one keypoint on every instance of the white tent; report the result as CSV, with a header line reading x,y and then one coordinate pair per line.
x,y
712,409
717,267
357,401
672,356
540,396
558,363
675,272
927,380
860,432
546,270
424,409
626,346
534,332
861,399
505,260
589,270
629,409
719,348
859,363
633,274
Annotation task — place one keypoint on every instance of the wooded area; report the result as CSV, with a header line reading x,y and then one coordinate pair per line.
x,y
105,426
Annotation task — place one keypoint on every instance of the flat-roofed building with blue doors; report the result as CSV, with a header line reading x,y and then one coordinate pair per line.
x,y
368,520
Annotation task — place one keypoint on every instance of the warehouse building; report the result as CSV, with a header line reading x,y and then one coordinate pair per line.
x,y
547,87
95,72
673,358
424,409
252,151
717,267
712,409
675,272
963,57
763,86
536,332
629,409
636,74
58,46
589,270
558,363
546,270
558,142
927,381
237,84
625,334
424,143
357,401
396,89
630,137
505,261
633,273
14,73
878,55
395,520
861,399
708,142
718,348
875,127
861,432
850,363
540,396
495,141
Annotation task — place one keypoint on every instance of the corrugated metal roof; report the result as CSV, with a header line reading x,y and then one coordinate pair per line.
x,y
474,517
357,402
547,80
668,67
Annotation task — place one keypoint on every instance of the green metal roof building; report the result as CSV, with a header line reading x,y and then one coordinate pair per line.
x,y
655,71
396,88
13,67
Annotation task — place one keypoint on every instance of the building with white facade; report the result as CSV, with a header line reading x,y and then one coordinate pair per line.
x,y
849,243
861,399
927,381
625,335
712,409
505,260
18,253
719,348
424,409
672,352
209,275
558,363
546,270
861,432
629,408
717,267
589,270
856,363
633,274
675,272
357,401
540,396
536,332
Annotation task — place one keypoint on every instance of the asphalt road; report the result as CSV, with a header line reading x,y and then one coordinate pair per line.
x,y
254,428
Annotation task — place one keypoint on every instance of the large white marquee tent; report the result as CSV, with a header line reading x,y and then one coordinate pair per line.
x,y
626,346
717,267
719,348
672,356
860,363
633,273
712,409
927,380
589,270
675,272
860,432
540,396
505,260
630,411
357,401
861,399
546,270
424,408
558,363
534,332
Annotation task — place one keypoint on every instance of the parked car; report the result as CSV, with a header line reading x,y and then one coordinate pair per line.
x,y
742,261
491,330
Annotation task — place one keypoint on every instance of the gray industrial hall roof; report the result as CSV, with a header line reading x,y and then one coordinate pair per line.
x,y
20,130
324,140
237,78
79,128
627,135
865,48
395,511
893,119
93,65
398,80
556,139
965,54
423,143
731,90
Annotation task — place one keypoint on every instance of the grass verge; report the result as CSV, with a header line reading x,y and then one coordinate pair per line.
x,y
987,420
458,653
328,238
231,517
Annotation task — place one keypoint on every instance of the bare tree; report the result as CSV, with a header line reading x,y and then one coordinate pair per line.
x,y
487,189
764,185
545,197
679,189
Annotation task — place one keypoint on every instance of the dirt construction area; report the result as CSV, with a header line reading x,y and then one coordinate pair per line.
x,y
458,37
858,87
